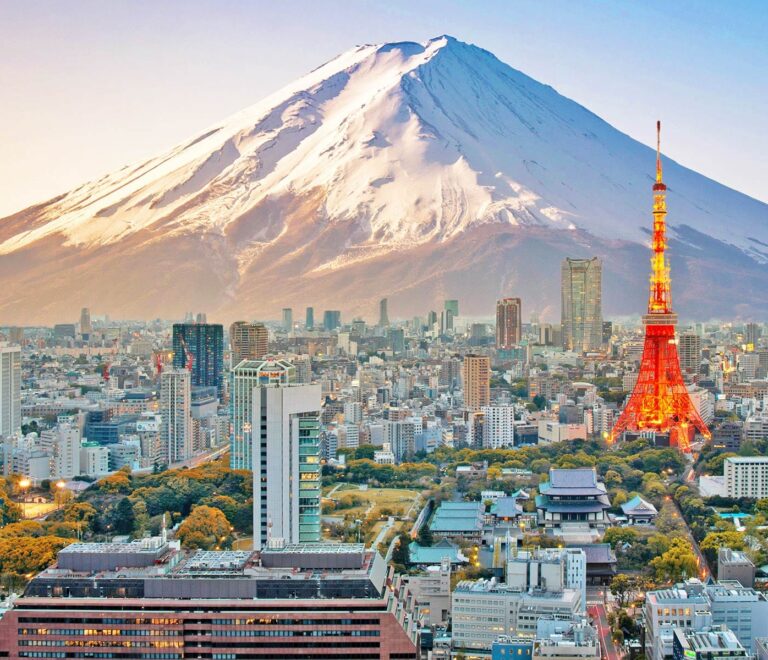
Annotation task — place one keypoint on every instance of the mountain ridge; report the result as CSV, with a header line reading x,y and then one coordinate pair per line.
x,y
382,155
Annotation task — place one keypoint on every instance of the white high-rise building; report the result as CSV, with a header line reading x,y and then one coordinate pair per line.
x,y
498,426
63,443
353,412
746,476
10,389
176,415
286,463
244,377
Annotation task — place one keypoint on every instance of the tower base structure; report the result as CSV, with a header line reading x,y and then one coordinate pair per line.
x,y
660,401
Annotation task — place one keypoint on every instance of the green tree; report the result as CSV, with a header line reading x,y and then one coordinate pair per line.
x,y
425,536
123,518
401,553
624,588
620,535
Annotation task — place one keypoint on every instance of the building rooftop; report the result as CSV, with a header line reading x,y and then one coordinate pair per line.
x,y
638,506
435,554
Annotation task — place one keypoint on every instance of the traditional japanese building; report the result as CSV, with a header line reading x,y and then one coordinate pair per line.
x,y
573,501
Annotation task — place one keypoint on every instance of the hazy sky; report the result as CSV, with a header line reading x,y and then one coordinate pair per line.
x,y
89,86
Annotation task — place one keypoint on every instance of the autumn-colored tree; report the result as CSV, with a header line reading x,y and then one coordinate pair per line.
x,y
22,528
713,541
25,555
205,528
119,482
9,510
80,512
677,562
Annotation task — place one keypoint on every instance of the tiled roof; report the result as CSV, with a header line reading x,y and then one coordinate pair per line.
x,y
638,505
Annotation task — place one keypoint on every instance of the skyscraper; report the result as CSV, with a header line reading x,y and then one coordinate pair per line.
x,y
689,347
309,319
175,415
286,464
476,377
200,347
450,312
287,319
244,377
331,319
10,389
582,313
509,323
249,341
85,324
383,315
753,334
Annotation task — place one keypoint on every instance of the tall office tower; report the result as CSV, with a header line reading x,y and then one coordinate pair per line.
x,y
582,314
199,347
249,341
397,340
176,415
509,323
309,319
201,317
286,464
689,347
383,315
451,311
331,319
287,319
476,376
607,332
244,377
753,334
86,328
431,320
10,389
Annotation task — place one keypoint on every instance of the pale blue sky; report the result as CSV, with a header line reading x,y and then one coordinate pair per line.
x,y
89,86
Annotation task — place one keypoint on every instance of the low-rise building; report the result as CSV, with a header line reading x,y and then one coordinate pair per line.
x,y
484,610
735,565
305,600
716,644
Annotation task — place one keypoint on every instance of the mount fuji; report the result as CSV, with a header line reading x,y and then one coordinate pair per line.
x,y
415,171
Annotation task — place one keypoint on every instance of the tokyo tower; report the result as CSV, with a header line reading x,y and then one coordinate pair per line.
x,y
660,401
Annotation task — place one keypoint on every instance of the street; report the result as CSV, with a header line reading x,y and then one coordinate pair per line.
x,y
607,647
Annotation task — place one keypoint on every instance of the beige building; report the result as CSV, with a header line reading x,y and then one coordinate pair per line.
x,y
582,311
248,340
476,377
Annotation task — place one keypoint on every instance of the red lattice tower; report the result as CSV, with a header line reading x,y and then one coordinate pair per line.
x,y
660,401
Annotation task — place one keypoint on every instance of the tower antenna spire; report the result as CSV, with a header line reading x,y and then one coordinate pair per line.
x,y
658,151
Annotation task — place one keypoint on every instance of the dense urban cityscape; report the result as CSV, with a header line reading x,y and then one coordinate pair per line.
x,y
405,360
440,487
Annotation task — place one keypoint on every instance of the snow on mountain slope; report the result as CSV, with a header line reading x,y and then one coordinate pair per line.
x,y
378,152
